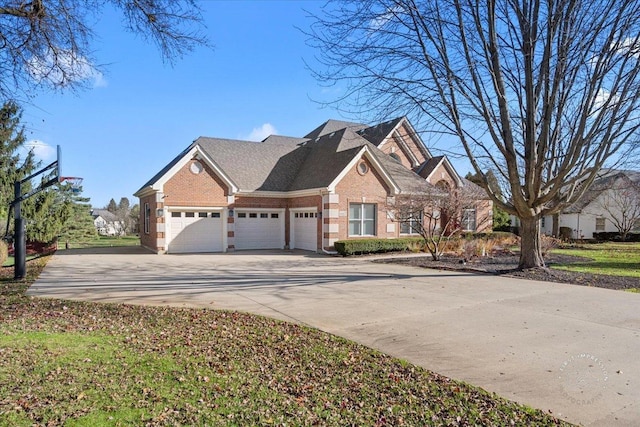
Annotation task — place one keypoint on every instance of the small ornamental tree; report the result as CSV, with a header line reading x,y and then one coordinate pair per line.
x,y
437,216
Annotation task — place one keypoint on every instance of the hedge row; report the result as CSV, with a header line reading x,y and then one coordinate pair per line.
x,y
615,237
372,246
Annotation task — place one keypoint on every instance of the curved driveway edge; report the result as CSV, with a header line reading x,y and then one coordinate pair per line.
x,y
571,350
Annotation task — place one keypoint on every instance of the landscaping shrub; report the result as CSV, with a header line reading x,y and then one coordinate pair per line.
x,y
372,246
547,243
4,252
615,237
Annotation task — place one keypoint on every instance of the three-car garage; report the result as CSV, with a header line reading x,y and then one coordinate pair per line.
x,y
208,230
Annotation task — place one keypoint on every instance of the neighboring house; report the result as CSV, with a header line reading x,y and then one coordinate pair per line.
x,y
107,223
612,202
286,192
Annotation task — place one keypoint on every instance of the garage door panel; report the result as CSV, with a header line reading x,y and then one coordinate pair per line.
x,y
195,234
305,230
259,230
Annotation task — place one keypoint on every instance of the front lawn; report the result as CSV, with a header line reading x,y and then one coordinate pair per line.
x,y
614,259
74,363
102,241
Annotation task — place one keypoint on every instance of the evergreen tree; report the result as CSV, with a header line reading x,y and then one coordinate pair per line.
x,y
112,206
79,225
12,167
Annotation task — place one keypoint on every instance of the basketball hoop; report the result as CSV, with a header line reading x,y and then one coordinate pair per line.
x,y
74,182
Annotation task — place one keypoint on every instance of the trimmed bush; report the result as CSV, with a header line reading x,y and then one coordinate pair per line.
x,y
615,237
4,252
372,246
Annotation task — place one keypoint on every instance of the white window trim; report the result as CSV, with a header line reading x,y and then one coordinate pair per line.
x,y
147,218
362,219
475,219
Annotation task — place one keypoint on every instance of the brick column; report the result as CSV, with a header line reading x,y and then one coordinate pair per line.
x,y
330,225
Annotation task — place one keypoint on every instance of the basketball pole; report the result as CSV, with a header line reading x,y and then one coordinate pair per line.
x,y
19,234
20,238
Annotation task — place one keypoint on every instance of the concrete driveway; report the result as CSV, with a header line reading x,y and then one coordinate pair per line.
x,y
571,350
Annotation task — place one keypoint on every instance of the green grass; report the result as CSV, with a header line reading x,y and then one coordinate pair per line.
x,y
614,259
10,260
103,241
89,364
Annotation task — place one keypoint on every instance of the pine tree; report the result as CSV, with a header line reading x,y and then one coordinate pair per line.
x,y
79,225
112,206
12,167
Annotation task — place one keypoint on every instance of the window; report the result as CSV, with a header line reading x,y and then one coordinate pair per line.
x,y
176,214
215,214
468,220
600,222
362,219
394,156
242,215
189,214
202,214
264,215
147,218
363,168
542,221
253,215
411,223
274,215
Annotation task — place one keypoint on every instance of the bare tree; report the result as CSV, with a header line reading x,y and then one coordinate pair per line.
x,y
620,203
47,43
439,215
541,93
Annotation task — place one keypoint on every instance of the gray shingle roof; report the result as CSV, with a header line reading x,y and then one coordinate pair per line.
x,y
331,126
105,214
281,163
607,180
376,134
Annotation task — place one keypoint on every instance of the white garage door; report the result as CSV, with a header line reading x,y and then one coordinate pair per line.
x,y
259,230
195,232
305,230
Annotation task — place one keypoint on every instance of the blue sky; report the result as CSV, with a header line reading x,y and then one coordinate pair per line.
x,y
141,112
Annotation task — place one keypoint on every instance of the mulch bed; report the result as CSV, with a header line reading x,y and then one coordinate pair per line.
x,y
507,265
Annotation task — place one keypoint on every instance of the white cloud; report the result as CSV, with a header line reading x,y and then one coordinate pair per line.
x,y
42,151
260,133
64,67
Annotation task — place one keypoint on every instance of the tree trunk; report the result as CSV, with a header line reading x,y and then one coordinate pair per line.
x,y
530,250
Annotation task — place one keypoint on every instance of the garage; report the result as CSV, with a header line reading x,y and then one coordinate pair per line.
x,y
304,230
256,229
192,231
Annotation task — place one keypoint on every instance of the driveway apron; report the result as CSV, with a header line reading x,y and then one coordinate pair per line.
x,y
570,350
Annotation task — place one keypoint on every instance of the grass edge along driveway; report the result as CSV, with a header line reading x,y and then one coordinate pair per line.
x,y
76,363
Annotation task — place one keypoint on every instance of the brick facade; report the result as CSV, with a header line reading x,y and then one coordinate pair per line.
x,y
186,188
196,186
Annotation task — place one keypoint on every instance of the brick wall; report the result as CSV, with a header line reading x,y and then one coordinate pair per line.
x,y
188,189
367,188
150,240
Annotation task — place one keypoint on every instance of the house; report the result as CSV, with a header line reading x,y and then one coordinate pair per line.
x,y
289,192
611,203
107,223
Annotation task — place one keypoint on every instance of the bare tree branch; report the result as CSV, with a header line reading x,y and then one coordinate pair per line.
x,y
542,93
48,43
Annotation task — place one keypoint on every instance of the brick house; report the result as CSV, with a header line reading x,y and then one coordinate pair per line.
x,y
286,192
